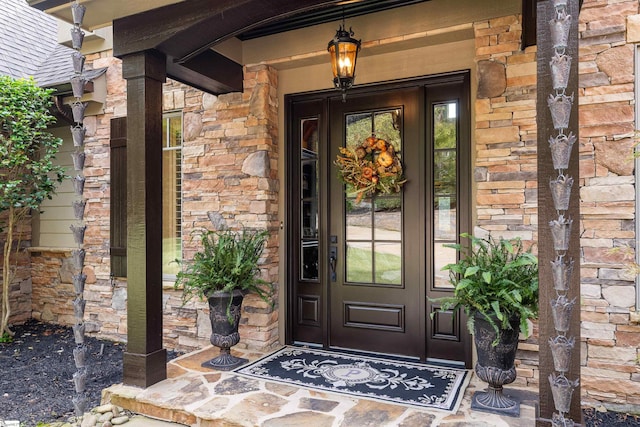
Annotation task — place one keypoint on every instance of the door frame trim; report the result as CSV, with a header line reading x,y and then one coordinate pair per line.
x,y
465,187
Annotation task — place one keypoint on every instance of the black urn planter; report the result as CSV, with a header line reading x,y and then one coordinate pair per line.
x,y
495,366
224,333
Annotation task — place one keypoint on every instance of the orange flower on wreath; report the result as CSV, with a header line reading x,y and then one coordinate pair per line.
x,y
367,173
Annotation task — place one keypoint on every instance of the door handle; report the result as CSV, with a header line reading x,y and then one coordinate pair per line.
x,y
333,261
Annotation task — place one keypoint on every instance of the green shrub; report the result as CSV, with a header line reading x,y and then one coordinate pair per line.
x,y
28,174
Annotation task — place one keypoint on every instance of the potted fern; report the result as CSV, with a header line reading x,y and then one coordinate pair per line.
x,y
496,284
223,271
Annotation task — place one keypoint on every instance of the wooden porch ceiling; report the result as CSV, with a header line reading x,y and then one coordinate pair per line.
x,y
189,30
185,31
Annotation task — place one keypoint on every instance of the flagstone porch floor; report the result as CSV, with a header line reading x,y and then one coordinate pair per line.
x,y
197,396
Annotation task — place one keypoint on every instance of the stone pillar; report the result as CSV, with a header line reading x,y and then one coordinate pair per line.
x,y
145,359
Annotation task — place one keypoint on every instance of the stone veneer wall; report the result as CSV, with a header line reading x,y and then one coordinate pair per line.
x,y
505,171
52,292
230,169
230,161
505,178
610,338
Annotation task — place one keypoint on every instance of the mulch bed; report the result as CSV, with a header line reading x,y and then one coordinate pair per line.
x,y
36,372
36,377
593,418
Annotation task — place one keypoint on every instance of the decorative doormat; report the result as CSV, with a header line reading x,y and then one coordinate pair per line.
x,y
392,381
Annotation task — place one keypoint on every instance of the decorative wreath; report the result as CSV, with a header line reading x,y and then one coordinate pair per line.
x,y
372,167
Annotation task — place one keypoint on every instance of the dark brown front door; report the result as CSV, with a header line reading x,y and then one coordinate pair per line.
x,y
362,270
376,294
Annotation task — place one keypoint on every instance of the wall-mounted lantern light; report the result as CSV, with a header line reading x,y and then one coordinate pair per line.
x,y
343,49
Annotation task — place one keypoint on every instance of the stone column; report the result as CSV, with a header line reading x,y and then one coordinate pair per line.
x,y
145,359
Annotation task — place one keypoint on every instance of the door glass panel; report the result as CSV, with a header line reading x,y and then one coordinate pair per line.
x,y
309,181
387,126
359,221
358,129
309,219
443,256
310,260
388,219
444,171
309,199
445,217
359,262
374,223
388,263
445,125
445,188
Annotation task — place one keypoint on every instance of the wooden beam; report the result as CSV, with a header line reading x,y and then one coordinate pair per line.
x,y
529,23
236,20
209,71
145,359
184,30
145,31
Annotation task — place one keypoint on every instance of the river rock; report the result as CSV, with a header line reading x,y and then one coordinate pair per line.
x,y
104,408
107,416
119,420
89,420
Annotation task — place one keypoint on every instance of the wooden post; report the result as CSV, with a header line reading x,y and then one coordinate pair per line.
x,y
145,361
547,210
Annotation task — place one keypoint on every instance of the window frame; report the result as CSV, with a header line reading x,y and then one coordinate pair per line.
x,y
166,147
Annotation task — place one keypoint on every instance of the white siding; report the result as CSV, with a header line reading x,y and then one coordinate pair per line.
x,y
51,227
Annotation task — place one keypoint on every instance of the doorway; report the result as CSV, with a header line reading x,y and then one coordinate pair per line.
x,y
362,272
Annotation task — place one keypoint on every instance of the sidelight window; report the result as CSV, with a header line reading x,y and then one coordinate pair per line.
x,y
309,199
445,188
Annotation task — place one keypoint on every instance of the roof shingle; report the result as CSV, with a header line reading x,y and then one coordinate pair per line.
x,y
29,45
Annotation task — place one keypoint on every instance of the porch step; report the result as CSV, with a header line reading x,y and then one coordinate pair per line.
x,y
195,396
142,421
152,410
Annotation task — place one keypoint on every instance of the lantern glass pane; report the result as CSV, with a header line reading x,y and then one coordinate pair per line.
x,y
334,60
346,59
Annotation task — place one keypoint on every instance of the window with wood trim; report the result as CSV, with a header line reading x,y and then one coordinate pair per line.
x,y
171,194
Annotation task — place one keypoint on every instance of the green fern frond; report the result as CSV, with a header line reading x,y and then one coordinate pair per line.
x,y
497,278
